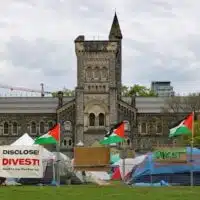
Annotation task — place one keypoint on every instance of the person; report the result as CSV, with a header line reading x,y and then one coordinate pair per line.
x,y
84,176
2,181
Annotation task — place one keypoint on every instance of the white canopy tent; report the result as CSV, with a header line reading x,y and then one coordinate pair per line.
x,y
28,141
80,144
65,163
23,140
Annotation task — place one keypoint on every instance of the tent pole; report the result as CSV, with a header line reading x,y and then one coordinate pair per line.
x,y
151,176
123,163
191,152
58,158
191,162
54,174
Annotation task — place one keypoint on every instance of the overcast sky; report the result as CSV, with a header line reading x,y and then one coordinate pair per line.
x,y
161,40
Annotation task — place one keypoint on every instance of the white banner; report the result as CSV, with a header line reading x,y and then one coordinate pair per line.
x,y
21,161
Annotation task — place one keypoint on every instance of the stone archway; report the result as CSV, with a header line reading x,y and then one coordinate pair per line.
x,y
98,109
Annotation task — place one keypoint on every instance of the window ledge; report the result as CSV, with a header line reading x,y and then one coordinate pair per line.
x,y
96,127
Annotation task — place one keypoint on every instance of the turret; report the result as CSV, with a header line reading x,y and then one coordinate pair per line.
x,y
115,31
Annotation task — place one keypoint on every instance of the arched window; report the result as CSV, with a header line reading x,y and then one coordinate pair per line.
x,y
159,127
42,127
143,127
104,73
88,73
70,142
92,119
50,125
128,142
101,119
150,127
96,73
65,143
67,126
126,126
5,128
33,128
14,128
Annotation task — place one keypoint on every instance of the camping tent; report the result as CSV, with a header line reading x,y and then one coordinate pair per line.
x,y
126,166
174,173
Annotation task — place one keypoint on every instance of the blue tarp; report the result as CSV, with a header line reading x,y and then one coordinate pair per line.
x,y
161,183
149,168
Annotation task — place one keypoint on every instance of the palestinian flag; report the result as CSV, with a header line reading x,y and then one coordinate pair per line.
x,y
115,135
52,137
183,127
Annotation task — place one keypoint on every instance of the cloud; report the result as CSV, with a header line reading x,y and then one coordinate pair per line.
x,y
161,40
39,55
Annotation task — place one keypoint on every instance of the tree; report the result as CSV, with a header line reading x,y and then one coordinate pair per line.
x,y
186,140
66,93
138,90
124,90
181,106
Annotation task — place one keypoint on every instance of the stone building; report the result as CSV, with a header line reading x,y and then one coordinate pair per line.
x,y
96,106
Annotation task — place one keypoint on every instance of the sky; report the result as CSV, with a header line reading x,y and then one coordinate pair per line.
x,y
161,41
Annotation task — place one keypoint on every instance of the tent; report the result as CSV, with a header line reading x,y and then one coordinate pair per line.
x,y
23,140
64,163
96,144
116,174
98,177
114,158
28,141
80,144
174,173
127,166
48,159
91,176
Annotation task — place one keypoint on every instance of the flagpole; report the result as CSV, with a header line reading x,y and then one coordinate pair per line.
x,y
191,152
123,161
54,173
58,157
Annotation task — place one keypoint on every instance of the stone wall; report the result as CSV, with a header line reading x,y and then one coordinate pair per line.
x,y
12,126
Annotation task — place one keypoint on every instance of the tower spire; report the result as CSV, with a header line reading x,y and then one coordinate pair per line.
x,y
115,31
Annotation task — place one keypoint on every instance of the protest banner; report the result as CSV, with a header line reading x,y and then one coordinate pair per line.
x,y
21,161
170,155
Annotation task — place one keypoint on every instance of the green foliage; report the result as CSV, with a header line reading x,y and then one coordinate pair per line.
x,y
138,90
186,139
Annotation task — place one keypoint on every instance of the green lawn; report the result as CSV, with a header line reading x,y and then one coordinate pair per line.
x,y
101,193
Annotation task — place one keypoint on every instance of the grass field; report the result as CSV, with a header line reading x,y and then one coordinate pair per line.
x,y
98,193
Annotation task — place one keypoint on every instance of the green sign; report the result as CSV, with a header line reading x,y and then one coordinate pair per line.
x,y
173,155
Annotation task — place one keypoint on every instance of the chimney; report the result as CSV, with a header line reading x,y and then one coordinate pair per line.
x,y
60,99
133,100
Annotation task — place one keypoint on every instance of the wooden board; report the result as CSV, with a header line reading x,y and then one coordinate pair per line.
x,y
91,158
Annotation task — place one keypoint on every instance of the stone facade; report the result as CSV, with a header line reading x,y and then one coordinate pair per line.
x,y
96,106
